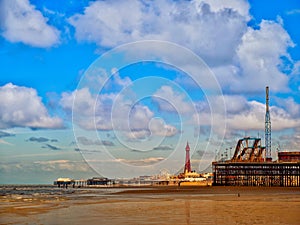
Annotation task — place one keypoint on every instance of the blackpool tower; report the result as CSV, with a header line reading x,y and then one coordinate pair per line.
x,y
187,166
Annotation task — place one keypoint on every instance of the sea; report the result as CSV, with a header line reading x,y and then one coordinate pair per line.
x,y
44,191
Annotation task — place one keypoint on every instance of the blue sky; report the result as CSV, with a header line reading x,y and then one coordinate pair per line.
x,y
117,88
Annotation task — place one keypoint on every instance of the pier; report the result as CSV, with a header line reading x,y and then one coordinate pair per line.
x,y
256,174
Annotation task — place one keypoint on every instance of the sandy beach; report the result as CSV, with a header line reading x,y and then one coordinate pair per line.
x,y
156,205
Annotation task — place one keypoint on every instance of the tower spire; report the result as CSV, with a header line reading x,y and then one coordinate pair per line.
x,y
187,166
268,128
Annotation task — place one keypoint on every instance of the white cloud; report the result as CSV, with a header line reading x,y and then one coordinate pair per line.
x,y
22,107
242,7
192,24
137,121
82,105
249,118
5,142
293,12
61,165
171,101
243,115
141,162
139,116
118,80
137,134
259,57
83,99
290,141
158,127
113,112
215,30
102,22
290,106
258,62
21,22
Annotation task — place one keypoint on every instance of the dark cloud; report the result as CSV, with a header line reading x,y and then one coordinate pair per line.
x,y
86,141
107,143
135,150
41,139
207,153
72,143
38,139
51,147
5,134
86,151
163,147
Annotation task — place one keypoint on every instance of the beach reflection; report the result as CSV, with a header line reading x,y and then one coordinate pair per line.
x,y
188,212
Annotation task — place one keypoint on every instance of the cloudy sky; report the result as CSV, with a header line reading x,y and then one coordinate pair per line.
x,y
117,88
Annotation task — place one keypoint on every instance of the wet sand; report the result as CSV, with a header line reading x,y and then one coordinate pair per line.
x,y
158,205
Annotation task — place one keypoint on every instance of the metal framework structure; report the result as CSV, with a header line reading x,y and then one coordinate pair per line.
x,y
256,174
248,167
187,166
268,128
248,150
